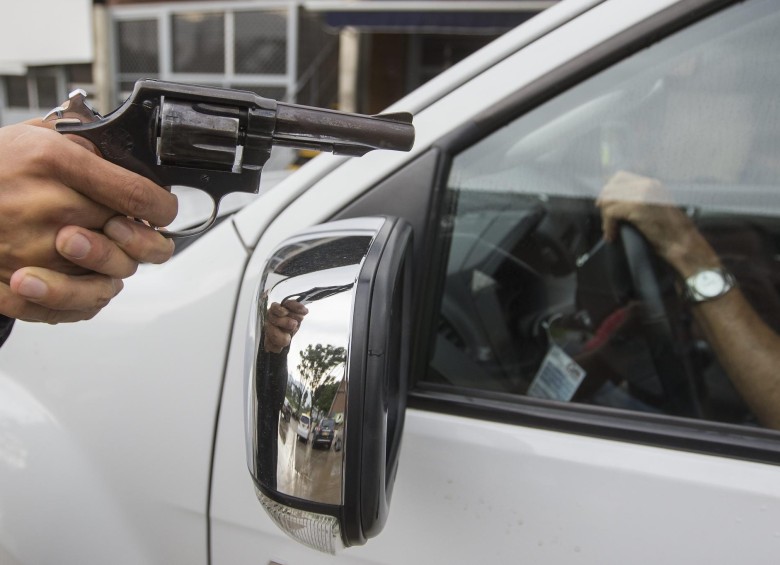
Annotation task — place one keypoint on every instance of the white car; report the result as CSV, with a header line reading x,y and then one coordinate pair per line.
x,y
304,424
562,403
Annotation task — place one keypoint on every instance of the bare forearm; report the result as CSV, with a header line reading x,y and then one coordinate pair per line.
x,y
747,349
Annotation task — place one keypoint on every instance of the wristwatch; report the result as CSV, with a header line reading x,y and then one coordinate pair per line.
x,y
708,285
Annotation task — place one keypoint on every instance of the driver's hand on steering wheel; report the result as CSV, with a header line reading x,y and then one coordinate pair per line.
x,y
645,203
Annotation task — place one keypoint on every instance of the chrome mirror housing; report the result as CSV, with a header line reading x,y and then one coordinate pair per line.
x,y
326,379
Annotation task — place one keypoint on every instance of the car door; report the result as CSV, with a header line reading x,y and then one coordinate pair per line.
x,y
566,404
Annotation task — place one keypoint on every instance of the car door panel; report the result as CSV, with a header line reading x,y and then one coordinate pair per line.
x,y
486,472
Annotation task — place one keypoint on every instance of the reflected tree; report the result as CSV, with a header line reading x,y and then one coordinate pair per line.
x,y
326,394
316,371
295,397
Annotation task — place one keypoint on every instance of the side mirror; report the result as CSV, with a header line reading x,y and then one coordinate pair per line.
x,y
326,384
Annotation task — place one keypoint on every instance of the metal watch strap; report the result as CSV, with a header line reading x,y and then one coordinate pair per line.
x,y
694,295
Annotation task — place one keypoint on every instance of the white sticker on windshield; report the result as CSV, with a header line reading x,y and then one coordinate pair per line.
x,y
558,377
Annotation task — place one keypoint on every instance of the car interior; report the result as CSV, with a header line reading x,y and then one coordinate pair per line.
x,y
535,302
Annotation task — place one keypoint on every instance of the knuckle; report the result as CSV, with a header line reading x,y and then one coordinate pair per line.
x,y
70,316
42,153
170,248
80,294
88,315
102,258
103,297
159,250
137,198
109,260
10,305
51,317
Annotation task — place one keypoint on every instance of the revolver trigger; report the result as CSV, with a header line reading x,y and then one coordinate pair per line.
x,y
75,109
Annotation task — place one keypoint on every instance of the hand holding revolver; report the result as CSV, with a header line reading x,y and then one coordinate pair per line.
x,y
282,323
66,241
67,236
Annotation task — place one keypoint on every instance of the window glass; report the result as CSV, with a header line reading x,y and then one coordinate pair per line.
x,y
80,74
198,43
676,153
138,47
261,42
16,92
47,91
432,54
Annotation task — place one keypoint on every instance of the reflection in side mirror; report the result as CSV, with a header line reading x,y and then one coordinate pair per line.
x,y
326,385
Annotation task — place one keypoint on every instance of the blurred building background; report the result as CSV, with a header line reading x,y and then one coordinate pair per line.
x,y
353,55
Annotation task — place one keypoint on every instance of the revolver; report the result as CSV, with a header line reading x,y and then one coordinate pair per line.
x,y
217,140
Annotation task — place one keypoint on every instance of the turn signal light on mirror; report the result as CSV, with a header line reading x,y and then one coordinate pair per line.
x,y
317,531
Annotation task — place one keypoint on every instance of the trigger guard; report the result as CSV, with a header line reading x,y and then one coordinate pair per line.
x,y
196,230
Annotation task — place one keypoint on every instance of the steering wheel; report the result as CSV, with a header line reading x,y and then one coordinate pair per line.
x,y
670,363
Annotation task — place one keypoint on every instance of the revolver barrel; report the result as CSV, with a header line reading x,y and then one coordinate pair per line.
x,y
339,132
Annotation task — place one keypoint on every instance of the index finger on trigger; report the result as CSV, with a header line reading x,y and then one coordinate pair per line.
x,y
124,191
139,241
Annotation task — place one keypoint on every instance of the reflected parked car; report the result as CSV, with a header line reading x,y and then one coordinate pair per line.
x,y
323,433
286,410
304,424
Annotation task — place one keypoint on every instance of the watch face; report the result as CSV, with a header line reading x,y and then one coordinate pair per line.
x,y
709,284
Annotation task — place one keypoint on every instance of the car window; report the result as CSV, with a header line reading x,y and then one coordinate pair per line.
x,y
675,151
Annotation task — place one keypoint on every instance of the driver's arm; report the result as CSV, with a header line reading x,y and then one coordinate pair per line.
x,y
746,347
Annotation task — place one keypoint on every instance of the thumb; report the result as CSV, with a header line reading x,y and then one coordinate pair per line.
x,y
77,139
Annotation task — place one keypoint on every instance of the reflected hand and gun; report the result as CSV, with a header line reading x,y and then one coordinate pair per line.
x,y
284,319
310,404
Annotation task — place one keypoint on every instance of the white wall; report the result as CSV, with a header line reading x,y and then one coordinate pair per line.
x,y
45,32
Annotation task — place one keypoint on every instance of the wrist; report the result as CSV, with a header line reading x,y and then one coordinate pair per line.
x,y
691,254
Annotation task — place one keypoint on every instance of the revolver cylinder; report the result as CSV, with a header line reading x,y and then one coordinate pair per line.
x,y
198,135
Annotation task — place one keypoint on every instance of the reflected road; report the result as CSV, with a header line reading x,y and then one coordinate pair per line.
x,y
304,471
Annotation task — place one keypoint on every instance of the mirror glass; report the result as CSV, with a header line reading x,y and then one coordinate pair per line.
x,y
306,323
